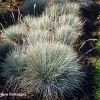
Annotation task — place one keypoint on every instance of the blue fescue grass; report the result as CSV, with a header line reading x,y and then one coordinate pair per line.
x,y
13,32
34,7
45,68
5,48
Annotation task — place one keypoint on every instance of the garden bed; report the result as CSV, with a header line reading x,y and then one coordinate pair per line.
x,y
10,16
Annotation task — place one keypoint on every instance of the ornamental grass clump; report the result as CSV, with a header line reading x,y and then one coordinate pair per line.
x,y
35,7
39,36
13,70
56,10
68,29
53,11
41,23
53,18
29,21
83,3
59,1
71,8
72,20
66,34
63,29
49,69
5,48
14,33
